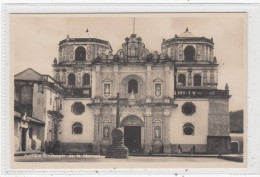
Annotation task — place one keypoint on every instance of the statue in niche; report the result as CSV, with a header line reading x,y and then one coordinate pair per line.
x,y
132,52
107,89
58,76
157,89
106,131
157,132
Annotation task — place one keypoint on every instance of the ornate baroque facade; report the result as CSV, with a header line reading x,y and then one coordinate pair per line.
x,y
169,101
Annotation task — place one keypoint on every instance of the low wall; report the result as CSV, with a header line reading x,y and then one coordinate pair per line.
x,y
75,148
188,148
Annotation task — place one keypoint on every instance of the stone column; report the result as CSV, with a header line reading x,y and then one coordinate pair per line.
x,y
169,81
190,81
172,70
98,81
148,83
212,77
166,130
116,80
78,77
96,145
166,84
93,83
205,80
148,130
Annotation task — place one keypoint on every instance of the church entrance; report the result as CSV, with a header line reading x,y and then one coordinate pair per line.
x,y
133,133
132,138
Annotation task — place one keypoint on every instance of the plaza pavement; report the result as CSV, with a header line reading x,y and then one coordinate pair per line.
x,y
95,161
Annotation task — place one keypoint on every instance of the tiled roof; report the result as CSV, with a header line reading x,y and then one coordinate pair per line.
x,y
29,119
28,74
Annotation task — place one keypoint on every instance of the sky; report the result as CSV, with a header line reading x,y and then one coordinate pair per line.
x,y
34,39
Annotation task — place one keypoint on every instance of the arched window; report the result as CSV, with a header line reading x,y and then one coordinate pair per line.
x,y
188,129
189,53
86,79
182,79
77,128
197,80
80,54
71,79
132,86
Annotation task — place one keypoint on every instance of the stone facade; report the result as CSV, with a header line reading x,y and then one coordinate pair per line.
x,y
169,101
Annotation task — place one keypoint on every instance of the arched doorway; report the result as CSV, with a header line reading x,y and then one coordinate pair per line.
x,y
23,139
133,133
234,147
189,53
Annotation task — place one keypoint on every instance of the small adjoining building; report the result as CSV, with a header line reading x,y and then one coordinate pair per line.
x,y
31,128
237,131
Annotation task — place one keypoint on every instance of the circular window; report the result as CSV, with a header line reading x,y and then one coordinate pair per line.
x,y
188,129
78,108
188,108
77,128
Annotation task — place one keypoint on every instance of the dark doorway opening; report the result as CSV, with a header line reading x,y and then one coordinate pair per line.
x,y
234,147
132,138
24,131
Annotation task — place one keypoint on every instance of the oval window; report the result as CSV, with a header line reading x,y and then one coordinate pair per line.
x,y
188,108
78,108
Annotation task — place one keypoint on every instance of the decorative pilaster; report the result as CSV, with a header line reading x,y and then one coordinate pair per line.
x,y
212,77
166,134
166,84
93,83
148,87
116,80
98,81
97,138
148,130
78,77
189,83
205,80
169,80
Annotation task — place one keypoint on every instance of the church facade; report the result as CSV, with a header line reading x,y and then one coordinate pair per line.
x,y
169,100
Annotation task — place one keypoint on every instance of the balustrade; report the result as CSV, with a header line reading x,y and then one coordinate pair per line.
x,y
201,93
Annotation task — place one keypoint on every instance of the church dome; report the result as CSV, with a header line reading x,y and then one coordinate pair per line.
x,y
189,47
84,48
